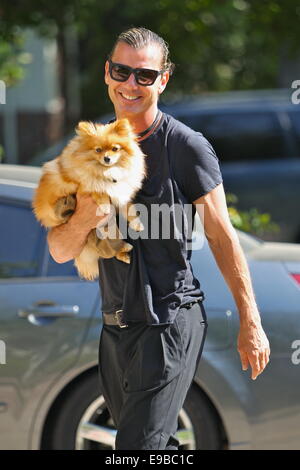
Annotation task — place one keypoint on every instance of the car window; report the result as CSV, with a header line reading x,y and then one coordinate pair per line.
x,y
295,118
23,245
60,269
22,242
240,135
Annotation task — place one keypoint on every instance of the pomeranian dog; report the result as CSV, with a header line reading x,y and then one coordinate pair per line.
x,y
105,162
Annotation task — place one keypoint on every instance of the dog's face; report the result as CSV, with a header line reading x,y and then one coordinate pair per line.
x,y
105,145
109,154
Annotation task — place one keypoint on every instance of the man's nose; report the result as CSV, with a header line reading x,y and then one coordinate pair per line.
x,y
131,80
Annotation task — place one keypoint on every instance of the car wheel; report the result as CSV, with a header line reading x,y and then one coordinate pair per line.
x,y
206,427
83,422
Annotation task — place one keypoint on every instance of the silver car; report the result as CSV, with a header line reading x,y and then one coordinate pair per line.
x,y
50,323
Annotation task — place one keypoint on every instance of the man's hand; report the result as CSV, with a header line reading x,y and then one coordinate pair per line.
x,y
253,347
66,241
87,213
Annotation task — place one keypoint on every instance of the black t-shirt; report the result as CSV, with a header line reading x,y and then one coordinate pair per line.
x,y
181,167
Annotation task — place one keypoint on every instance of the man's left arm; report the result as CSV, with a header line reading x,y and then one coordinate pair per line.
x,y
253,345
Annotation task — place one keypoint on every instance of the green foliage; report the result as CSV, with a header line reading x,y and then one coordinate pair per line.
x,y
251,221
1,153
216,45
12,60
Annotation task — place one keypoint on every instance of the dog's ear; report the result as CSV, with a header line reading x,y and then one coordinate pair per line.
x,y
86,128
122,127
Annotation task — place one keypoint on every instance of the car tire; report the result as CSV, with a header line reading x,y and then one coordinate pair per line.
x,y
198,422
61,432
205,421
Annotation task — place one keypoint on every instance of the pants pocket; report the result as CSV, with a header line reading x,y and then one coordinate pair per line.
x,y
203,314
157,359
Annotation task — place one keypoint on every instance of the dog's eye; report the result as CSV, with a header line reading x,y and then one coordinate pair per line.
x,y
98,149
115,149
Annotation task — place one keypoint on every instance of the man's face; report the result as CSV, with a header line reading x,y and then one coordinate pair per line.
x,y
144,97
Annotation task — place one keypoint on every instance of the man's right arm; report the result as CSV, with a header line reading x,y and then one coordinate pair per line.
x,y
66,241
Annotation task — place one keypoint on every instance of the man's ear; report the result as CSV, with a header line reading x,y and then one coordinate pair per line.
x,y
106,72
163,81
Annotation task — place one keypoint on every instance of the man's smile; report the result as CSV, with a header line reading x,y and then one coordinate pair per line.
x,y
129,97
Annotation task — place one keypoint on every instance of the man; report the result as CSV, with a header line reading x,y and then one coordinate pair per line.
x,y
154,319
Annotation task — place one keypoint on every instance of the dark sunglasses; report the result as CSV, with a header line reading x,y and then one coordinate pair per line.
x,y
144,77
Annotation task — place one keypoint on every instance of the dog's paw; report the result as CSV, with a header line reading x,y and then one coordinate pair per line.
x,y
125,257
136,225
65,206
126,247
104,208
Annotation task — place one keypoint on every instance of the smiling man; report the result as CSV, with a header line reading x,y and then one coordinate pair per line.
x,y
154,319
137,102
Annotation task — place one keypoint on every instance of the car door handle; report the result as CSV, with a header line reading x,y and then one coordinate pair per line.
x,y
49,309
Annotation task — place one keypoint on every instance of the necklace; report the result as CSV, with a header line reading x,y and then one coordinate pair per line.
x,y
158,115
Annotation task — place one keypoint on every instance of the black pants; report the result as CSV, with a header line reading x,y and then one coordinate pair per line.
x,y
145,374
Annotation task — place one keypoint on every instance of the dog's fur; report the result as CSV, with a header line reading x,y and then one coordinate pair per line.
x,y
106,162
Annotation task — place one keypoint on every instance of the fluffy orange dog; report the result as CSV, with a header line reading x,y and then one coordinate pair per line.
x,y
106,162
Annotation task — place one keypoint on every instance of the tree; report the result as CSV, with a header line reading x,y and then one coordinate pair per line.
x,y
216,44
251,221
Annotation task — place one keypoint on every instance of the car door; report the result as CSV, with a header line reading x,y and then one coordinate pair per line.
x,y
44,313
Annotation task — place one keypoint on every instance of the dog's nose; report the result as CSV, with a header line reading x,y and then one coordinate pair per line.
x,y
106,159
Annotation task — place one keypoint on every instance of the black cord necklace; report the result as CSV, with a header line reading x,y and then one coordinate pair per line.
x,y
158,115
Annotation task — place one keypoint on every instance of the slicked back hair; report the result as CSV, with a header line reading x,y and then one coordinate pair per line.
x,y
141,37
